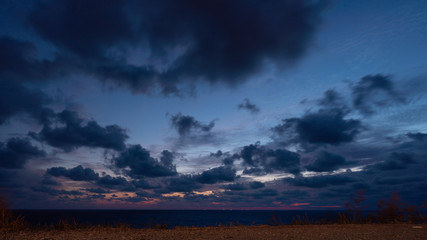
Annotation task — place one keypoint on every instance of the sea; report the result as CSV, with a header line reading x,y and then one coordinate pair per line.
x,y
173,218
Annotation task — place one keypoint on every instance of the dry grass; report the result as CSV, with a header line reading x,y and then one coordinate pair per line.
x,y
329,231
9,222
298,220
393,210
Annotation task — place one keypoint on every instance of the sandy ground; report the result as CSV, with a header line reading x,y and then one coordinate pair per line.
x,y
350,231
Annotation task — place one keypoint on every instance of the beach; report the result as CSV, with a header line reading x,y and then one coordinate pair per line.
x,y
328,231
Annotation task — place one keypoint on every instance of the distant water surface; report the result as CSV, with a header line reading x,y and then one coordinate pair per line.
x,y
172,218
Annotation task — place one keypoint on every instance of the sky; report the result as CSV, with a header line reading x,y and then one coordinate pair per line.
x,y
184,104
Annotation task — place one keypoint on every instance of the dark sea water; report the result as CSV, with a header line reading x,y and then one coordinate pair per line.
x,y
172,218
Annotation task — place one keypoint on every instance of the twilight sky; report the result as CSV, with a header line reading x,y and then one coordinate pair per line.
x,y
185,104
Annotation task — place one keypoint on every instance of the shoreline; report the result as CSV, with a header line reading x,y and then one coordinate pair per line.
x,y
325,231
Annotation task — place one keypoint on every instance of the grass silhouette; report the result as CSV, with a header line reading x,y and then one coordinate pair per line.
x,y
392,210
9,222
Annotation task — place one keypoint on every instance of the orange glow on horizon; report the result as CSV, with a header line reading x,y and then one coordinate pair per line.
x,y
299,204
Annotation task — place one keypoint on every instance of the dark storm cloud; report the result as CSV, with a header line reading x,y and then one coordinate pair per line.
x,y
15,153
297,194
218,174
420,137
199,198
268,192
185,125
47,180
256,184
141,183
254,171
78,173
339,195
189,183
218,154
100,25
167,158
319,181
193,132
397,180
327,162
182,183
326,126
19,61
246,104
8,178
146,194
220,41
17,99
415,145
114,183
260,157
333,100
235,187
227,158
395,161
141,164
244,186
75,134
55,192
95,196
96,190
257,194
374,91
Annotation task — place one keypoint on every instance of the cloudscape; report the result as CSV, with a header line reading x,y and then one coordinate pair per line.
x,y
184,104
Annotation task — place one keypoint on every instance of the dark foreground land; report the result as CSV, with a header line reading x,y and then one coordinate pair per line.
x,y
332,231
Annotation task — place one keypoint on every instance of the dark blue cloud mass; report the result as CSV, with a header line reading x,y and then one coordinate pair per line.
x,y
374,91
16,100
212,47
15,153
182,183
55,192
327,162
192,131
332,100
268,192
141,164
76,20
319,181
185,125
256,184
74,134
78,173
119,183
20,62
236,187
326,126
395,161
218,174
264,160
248,105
